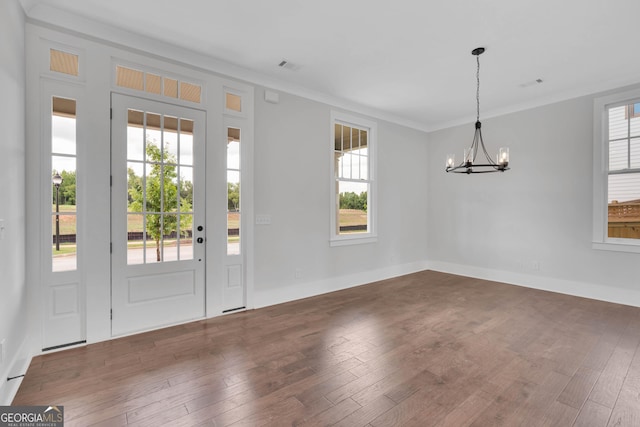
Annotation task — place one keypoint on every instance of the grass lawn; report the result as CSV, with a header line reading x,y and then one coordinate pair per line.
x,y
65,249
352,217
134,222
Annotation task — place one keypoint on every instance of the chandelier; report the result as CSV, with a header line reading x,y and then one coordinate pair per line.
x,y
469,164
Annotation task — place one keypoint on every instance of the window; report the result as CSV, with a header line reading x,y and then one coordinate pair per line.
x,y
233,191
617,178
158,85
633,110
233,102
63,184
63,62
353,180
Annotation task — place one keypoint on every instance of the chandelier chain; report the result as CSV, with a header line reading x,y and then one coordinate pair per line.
x,y
478,89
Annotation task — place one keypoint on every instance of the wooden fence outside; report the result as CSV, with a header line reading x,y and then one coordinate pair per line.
x,y
624,220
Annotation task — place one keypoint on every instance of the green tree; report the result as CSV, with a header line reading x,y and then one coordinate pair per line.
x,y
186,191
134,184
161,197
233,196
351,200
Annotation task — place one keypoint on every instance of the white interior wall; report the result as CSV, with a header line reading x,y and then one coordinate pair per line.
x,y
292,185
531,225
13,293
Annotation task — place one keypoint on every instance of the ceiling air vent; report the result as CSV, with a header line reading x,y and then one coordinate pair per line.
x,y
531,83
288,65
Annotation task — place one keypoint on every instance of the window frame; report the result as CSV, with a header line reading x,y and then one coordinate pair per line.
x,y
600,239
371,236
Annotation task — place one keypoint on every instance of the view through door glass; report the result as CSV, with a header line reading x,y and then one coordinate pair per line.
x,y
159,188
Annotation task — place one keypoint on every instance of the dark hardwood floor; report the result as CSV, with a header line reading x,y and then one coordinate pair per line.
x,y
426,349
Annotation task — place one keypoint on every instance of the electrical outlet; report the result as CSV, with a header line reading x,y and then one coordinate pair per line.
x,y
2,351
298,273
535,265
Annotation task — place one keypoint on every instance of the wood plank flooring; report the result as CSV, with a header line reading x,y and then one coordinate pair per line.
x,y
426,349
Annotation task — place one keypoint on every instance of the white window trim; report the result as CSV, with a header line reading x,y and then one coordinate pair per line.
x,y
360,238
600,239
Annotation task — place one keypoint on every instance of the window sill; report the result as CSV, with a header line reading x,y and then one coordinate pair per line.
x,y
617,246
352,240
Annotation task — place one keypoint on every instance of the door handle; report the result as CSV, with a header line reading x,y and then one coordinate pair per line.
x,y
199,240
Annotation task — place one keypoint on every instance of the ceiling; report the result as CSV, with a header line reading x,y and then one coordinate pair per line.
x,y
409,59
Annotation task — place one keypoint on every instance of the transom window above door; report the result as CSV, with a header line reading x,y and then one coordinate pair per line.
x,y
157,84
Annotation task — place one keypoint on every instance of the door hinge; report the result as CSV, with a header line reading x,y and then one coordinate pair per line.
x,y
111,180
111,314
110,248
111,113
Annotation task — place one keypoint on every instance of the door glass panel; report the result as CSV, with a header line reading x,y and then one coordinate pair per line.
x,y
160,189
135,236
171,139
63,126
185,237
65,194
233,191
63,184
186,142
170,237
135,171
186,189
233,154
64,247
135,136
153,137
155,228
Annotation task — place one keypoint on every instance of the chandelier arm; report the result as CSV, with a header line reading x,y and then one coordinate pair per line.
x,y
486,154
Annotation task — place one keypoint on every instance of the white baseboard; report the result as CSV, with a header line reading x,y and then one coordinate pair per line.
x,y
18,366
264,298
568,287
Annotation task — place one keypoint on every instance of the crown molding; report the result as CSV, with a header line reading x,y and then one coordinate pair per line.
x,y
60,20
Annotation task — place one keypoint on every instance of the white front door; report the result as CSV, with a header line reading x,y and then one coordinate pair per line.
x,y
157,214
